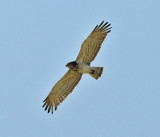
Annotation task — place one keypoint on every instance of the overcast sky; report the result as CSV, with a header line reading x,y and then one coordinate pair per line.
x,y
37,39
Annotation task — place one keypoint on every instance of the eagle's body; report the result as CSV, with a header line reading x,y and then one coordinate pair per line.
x,y
79,66
89,49
83,67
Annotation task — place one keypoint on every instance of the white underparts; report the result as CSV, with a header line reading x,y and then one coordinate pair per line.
x,y
83,67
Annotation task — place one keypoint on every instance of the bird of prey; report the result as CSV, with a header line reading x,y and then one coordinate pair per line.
x,y
89,50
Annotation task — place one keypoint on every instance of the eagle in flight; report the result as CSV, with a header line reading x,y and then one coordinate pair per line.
x,y
89,50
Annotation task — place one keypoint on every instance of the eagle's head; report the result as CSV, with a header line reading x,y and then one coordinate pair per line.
x,y
72,65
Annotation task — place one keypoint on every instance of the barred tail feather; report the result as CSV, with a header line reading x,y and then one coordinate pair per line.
x,y
96,72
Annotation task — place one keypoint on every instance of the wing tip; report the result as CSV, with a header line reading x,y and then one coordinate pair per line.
x,y
48,106
104,26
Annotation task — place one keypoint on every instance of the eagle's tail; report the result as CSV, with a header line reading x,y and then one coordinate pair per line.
x,y
96,72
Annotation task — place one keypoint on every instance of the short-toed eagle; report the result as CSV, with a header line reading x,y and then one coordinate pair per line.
x,y
89,50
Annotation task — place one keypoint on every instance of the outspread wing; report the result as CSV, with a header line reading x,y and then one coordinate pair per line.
x,y
91,46
61,90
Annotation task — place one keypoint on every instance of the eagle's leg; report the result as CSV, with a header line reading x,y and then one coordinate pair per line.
x,y
93,71
96,72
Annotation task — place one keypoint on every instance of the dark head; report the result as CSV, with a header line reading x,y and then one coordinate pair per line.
x,y
72,65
